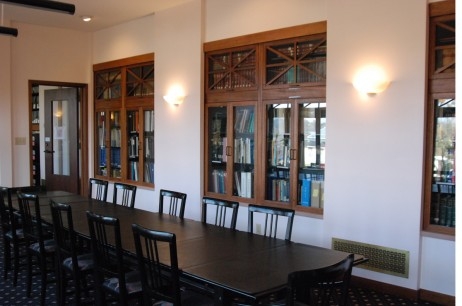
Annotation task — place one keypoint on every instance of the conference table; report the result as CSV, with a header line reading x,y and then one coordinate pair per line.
x,y
223,262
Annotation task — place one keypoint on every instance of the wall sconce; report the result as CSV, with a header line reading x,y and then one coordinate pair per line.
x,y
371,80
175,96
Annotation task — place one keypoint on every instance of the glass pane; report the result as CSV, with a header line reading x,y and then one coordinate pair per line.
x,y
312,149
244,162
149,146
445,46
116,141
133,133
61,161
217,147
140,80
107,85
278,152
101,158
444,161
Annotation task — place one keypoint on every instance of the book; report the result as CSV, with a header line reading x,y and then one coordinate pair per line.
x,y
305,192
315,194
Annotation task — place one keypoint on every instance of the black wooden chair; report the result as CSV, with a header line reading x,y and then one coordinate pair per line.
x,y
39,240
112,274
160,281
124,194
325,286
271,215
97,189
13,236
176,202
71,262
221,207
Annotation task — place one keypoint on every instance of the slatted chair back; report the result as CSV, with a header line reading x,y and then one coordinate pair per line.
x,y
97,189
221,208
4,210
124,194
33,227
272,216
175,200
158,281
111,273
326,281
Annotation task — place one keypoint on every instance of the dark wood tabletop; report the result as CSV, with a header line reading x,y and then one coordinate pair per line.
x,y
229,263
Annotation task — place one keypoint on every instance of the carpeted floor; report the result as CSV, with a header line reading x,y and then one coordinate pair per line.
x,y
10,295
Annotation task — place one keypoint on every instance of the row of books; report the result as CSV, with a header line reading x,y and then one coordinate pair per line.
x,y
149,147
116,138
149,121
278,190
218,150
244,121
280,152
218,181
149,172
133,170
244,184
133,121
133,144
243,150
444,211
115,157
311,193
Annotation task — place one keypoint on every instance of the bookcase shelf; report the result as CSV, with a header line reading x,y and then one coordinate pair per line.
x,y
124,117
265,119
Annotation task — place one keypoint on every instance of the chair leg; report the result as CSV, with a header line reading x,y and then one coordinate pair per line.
x,y
6,256
29,273
16,257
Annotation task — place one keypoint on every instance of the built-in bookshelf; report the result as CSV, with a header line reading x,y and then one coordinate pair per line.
x,y
34,111
124,120
266,119
440,164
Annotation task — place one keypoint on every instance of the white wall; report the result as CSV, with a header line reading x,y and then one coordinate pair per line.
x,y
6,140
42,53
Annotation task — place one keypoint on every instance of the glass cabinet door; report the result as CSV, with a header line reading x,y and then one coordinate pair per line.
x,y
133,135
444,163
244,148
312,153
217,149
278,152
149,146
101,161
116,141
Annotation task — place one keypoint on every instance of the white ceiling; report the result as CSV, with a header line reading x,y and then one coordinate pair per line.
x,y
105,13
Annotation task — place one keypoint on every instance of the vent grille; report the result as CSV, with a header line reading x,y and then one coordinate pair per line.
x,y
381,259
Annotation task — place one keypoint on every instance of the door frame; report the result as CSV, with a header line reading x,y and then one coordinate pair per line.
x,y
82,88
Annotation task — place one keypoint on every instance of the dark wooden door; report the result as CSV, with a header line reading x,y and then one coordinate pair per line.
x,y
61,139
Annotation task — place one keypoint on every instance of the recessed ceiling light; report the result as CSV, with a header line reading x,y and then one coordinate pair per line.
x,y
86,18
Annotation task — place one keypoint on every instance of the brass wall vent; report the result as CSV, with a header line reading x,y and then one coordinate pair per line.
x,y
381,259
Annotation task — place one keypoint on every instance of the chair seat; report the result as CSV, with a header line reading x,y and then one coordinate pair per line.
x,y
19,234
132,280
84,262
50,246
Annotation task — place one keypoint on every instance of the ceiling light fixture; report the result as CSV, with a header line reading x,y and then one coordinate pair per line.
x,y
86,18
56,6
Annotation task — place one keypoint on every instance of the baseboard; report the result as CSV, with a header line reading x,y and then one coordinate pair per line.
x,y
422,295
436,297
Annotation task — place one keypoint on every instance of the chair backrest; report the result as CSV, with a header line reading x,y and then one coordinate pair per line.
x,y
106,247
64,235
29,208
271,215
176,202
124,194
97,189
4,210
325,280
221,207
158,280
